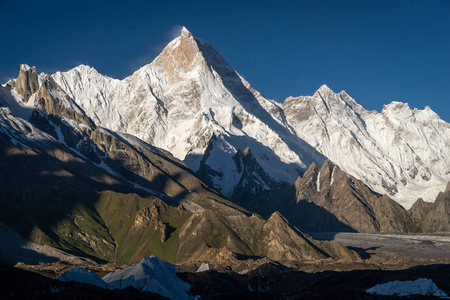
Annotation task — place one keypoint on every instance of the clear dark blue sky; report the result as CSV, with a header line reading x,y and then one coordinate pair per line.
x,y
378,51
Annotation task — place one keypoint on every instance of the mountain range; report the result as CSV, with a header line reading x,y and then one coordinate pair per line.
x,y
190,102
177,158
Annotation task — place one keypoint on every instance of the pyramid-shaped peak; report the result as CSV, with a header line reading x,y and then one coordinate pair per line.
x,y
325,89
313,167
327,165
85,69
186,33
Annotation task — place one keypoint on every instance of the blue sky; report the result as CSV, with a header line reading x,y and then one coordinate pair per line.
x,y
377,51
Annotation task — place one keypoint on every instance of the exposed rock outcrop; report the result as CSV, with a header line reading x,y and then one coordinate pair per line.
x,y
433,217
52,100
284,242
27,82
348,200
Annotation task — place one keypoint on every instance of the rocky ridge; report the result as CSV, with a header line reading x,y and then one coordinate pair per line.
x,y
349,200
352,206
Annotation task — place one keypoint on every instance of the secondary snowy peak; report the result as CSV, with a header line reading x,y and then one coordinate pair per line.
x,y
402,152
401,113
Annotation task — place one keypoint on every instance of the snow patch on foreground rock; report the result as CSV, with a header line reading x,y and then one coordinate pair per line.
x,y
150,275
204,267
421,286
82,275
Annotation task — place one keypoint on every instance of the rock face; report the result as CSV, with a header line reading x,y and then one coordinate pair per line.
x,y
353,206
349,200
52,100
329,200
27,83
433,217
286,243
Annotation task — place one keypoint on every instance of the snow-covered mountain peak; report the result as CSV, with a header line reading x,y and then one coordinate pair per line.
x,y
180,59
187,95
25,67
396,107
83,69
325,102
185,33
325,89
425,114
385,150
324,93
402,111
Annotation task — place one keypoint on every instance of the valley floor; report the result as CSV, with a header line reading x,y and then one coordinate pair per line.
x,y
403,245
268,281
385,258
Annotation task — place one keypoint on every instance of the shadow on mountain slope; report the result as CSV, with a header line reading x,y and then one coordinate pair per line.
x,y
52,200
233,82
275,281
309,217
